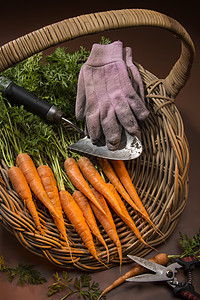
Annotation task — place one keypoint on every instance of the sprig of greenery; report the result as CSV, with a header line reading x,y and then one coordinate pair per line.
x,y
86,289
190,246
105,41
81,286
60,283
25,274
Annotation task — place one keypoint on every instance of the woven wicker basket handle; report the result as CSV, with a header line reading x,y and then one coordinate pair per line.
x,y
36,41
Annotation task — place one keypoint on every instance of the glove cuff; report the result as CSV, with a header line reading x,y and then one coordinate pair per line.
x,y
105,54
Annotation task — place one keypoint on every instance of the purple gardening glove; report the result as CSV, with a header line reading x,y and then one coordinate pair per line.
x,y
106,97
133,72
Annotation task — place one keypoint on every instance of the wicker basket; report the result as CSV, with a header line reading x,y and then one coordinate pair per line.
x,y
160,174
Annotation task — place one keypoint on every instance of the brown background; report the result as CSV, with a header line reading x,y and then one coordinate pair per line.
x,y
157,51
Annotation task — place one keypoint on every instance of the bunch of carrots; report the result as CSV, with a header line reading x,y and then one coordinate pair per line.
x,y
90,201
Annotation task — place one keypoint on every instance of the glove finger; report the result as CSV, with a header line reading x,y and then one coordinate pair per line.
x,y
100,141
135,102
110,125
118,97
80,97
92,119
136,81
139,108
93,126
134,73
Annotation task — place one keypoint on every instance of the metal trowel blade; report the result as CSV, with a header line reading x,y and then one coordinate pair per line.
x,y
130,148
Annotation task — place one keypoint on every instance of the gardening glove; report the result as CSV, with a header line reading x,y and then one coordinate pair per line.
x,y
106,97
133,72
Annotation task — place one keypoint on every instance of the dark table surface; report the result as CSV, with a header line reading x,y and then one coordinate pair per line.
x,y
157,51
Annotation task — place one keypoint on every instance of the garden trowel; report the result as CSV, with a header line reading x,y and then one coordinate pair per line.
x,y
130,146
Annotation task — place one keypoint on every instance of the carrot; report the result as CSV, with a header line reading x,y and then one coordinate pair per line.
x,y
21,187
29,170
125,179
112,176
77,179
128,220
85,207
107,222
75,216
161,259
50,186
93,176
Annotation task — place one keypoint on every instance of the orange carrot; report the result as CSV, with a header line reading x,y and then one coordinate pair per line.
x,y
77,179
128,220
107,222
75,216
161,259
50,186
125,179
85,207
112,176
93,176
21,187
29,170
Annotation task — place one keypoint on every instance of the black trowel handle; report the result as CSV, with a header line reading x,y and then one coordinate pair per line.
x,y
32,103
20,96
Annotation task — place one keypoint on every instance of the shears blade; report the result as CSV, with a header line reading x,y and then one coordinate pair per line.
x,y
147,278
148,264
161,273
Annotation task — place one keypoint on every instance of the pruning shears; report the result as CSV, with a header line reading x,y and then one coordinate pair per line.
x,y
167,274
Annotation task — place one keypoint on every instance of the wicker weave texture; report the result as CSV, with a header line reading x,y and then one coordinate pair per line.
x,y
160,174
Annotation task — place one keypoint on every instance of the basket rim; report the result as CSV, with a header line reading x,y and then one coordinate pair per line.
x,y
68,29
